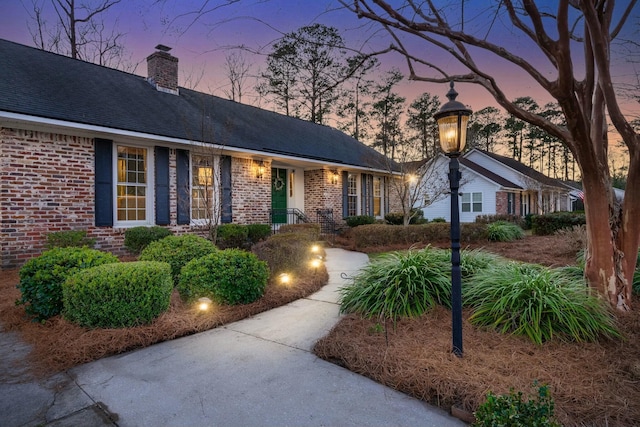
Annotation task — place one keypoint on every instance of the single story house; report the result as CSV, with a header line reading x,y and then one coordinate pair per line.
x,y
88,147
492,184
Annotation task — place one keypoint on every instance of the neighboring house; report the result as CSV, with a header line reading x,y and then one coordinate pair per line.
x,y
496,185
88,147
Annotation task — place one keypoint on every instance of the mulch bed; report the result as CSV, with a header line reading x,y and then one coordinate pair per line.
x,y
592,384
58,345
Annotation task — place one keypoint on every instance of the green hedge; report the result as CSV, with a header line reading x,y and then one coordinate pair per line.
x,y
386,235
69,239
355,221
230,276
397,218
177,251
232,236
41,278
138,238
543,225
118,295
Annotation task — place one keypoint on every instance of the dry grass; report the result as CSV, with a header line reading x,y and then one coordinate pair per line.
x,y
58,345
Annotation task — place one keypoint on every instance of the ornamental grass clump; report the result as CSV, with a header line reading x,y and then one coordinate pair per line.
x,y
503,231
230,276
537,302
118,295
177,251
400,284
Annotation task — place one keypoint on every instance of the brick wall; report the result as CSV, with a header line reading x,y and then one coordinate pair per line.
x,y
502,203
322,193
45,186
251,195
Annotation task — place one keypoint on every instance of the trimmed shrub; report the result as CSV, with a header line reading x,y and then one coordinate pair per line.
x,y
399,284
503,231
41,278
537,302
69,239
177,251
230,276
311,229
354,221
397,218
232,236
510,410
488,219
288,252
118,295
385,235
543,225
138,238
438,219
258,232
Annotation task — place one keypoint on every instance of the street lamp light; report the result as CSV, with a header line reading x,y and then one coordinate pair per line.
x,y
452,124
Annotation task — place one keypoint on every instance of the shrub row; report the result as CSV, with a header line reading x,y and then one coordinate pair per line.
x,y
387,235
543,225
312,230
138,238
397,218
69,239
514,219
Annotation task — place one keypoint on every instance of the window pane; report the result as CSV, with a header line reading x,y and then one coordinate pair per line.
x,y
131,189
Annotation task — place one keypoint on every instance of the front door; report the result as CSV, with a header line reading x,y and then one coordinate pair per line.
x,y
279,195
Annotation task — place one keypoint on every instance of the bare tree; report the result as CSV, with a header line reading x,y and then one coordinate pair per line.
x,y
585,101
237,71
79,31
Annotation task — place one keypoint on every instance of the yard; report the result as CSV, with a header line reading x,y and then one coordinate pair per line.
x,y
591,383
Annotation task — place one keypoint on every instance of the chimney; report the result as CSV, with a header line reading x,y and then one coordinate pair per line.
x,y
162,70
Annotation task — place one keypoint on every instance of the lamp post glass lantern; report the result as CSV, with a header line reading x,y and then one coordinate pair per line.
x,y
452,125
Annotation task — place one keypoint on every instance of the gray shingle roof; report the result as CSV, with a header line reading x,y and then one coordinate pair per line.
x,y
488,174
46,85
526,170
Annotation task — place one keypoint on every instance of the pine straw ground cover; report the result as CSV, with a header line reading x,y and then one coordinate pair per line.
x,y
58,345
593,384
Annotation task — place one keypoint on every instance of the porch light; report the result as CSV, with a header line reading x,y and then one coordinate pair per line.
x,y
204,304
334,177
260,169
452,123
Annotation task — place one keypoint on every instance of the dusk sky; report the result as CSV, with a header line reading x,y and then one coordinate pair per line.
x,y
201,45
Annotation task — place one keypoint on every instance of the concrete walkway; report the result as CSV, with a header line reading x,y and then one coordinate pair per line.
x,y
255,372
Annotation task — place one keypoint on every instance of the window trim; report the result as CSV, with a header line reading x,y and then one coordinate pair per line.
x,y
150,187
471,202
353,196
216,189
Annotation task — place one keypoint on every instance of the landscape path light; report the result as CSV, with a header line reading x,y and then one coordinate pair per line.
x,y
452,119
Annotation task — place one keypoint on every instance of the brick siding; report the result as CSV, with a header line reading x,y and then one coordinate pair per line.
x,y
322,193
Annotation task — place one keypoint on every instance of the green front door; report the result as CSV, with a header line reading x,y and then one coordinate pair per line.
x,y
279,195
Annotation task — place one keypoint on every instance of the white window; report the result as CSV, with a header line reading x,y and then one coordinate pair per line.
x,y
352,194
377,196
471,202
133,192
204,200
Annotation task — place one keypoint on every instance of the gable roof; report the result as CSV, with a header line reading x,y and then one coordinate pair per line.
x,y
45,85
524,170
503,182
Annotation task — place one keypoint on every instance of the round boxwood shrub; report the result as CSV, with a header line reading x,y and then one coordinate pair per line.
x,y
118,295
177,251
41,278
138,238
230,276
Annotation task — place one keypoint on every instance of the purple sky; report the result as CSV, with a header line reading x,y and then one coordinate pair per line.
x,y
255,23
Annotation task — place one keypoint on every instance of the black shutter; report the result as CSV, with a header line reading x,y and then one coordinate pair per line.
x,y
345,194
103,182
184,189
225,183
162,185
386,195
364,205
369,194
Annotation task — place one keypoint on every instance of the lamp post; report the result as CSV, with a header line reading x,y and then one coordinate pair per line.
x,y
452,125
